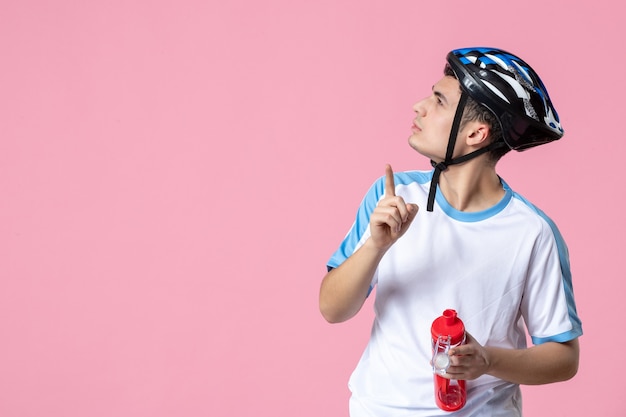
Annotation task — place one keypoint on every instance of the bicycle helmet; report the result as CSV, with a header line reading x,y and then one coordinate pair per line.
x,y
509,88
512,91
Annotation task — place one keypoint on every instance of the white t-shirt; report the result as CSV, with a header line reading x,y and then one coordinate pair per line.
x,y
504,270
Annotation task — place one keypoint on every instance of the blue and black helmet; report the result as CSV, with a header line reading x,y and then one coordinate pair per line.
x,y
512,91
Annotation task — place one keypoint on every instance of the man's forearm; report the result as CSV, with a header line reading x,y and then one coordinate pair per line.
x,y
541,364
344,289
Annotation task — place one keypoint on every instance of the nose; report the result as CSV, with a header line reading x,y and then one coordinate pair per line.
x,y
420,107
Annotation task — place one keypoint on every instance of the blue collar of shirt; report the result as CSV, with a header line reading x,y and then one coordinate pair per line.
x,y
477,215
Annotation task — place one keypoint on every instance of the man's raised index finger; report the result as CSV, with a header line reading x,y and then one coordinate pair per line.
x,y
390,186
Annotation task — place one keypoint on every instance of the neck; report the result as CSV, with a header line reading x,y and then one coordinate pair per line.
x,y
471,186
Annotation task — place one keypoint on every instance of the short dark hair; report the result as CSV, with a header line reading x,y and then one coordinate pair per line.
x,y
475,111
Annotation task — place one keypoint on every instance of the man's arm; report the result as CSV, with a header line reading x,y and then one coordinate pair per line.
x,y
540,364
344,289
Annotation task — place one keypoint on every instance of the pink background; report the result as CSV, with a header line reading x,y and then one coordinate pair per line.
x,y
175,174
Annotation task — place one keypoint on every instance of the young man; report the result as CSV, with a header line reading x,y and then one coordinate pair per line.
x,y
478,248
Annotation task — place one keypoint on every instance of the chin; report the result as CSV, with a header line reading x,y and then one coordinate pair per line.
x,y
414,143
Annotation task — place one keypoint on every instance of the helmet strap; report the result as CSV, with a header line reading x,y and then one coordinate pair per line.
x,y
442,166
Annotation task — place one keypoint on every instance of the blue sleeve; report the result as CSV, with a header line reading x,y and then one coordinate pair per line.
x,y
351,240
566,278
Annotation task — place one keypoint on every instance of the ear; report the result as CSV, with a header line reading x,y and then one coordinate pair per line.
x,y
477,134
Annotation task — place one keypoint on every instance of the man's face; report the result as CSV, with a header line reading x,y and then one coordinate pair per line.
x,y
433,119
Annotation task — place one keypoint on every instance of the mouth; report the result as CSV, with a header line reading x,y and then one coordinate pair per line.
x,y
415,127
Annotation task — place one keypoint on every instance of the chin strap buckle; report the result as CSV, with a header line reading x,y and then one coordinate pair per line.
x,y
441,166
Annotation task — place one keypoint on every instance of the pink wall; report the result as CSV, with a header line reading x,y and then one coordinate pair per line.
x,y
173,179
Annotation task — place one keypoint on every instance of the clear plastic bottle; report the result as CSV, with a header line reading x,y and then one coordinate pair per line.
x,y
447,331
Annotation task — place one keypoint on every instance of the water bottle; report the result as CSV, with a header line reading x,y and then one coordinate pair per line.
x,y
447,331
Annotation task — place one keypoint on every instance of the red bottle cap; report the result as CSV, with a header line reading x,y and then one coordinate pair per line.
x,y
448,325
